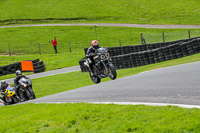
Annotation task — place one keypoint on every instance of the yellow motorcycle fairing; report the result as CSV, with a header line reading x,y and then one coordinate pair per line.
x,y
8,93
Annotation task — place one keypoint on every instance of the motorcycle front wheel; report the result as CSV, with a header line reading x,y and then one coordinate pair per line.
x,y
32,94
112,70
95,79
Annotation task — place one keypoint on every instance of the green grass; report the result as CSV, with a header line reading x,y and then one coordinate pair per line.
x,y
103,11
24,42
92,118
64,82
51,61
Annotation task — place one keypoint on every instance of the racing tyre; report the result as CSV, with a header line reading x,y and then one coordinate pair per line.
x,y
113,73
94,78
32,94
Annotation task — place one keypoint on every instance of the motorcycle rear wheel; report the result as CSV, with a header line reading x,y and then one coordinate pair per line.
x,y
113,73
95,79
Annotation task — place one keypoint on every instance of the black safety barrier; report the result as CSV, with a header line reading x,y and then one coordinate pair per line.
x,y
114,51
10,69
38,66
174,51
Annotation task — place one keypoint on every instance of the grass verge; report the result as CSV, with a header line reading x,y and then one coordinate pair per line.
x,y
129,11
84,118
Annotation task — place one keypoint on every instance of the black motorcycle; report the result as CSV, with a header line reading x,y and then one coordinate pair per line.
x,y
102,67
26,91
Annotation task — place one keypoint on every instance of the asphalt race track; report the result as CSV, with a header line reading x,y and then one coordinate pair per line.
x,y
112,24
172,85
49,73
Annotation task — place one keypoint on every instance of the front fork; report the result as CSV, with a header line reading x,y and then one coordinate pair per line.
x,y
105,64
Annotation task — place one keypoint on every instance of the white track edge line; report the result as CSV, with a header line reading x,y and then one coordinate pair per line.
x,y
54,74
131,103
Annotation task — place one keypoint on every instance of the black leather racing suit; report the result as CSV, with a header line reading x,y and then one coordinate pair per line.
x,y
17,84
91,50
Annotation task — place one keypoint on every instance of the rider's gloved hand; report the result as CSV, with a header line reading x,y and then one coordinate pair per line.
x,y
91,54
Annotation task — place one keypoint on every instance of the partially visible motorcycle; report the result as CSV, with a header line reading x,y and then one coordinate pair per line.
x,y
26,92
102,66
10,96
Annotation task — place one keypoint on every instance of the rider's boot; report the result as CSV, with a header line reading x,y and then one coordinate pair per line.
x,y
17,92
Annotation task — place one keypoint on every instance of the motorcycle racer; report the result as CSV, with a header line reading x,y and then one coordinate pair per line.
x,y
16,81
3,87
90,52
8,93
